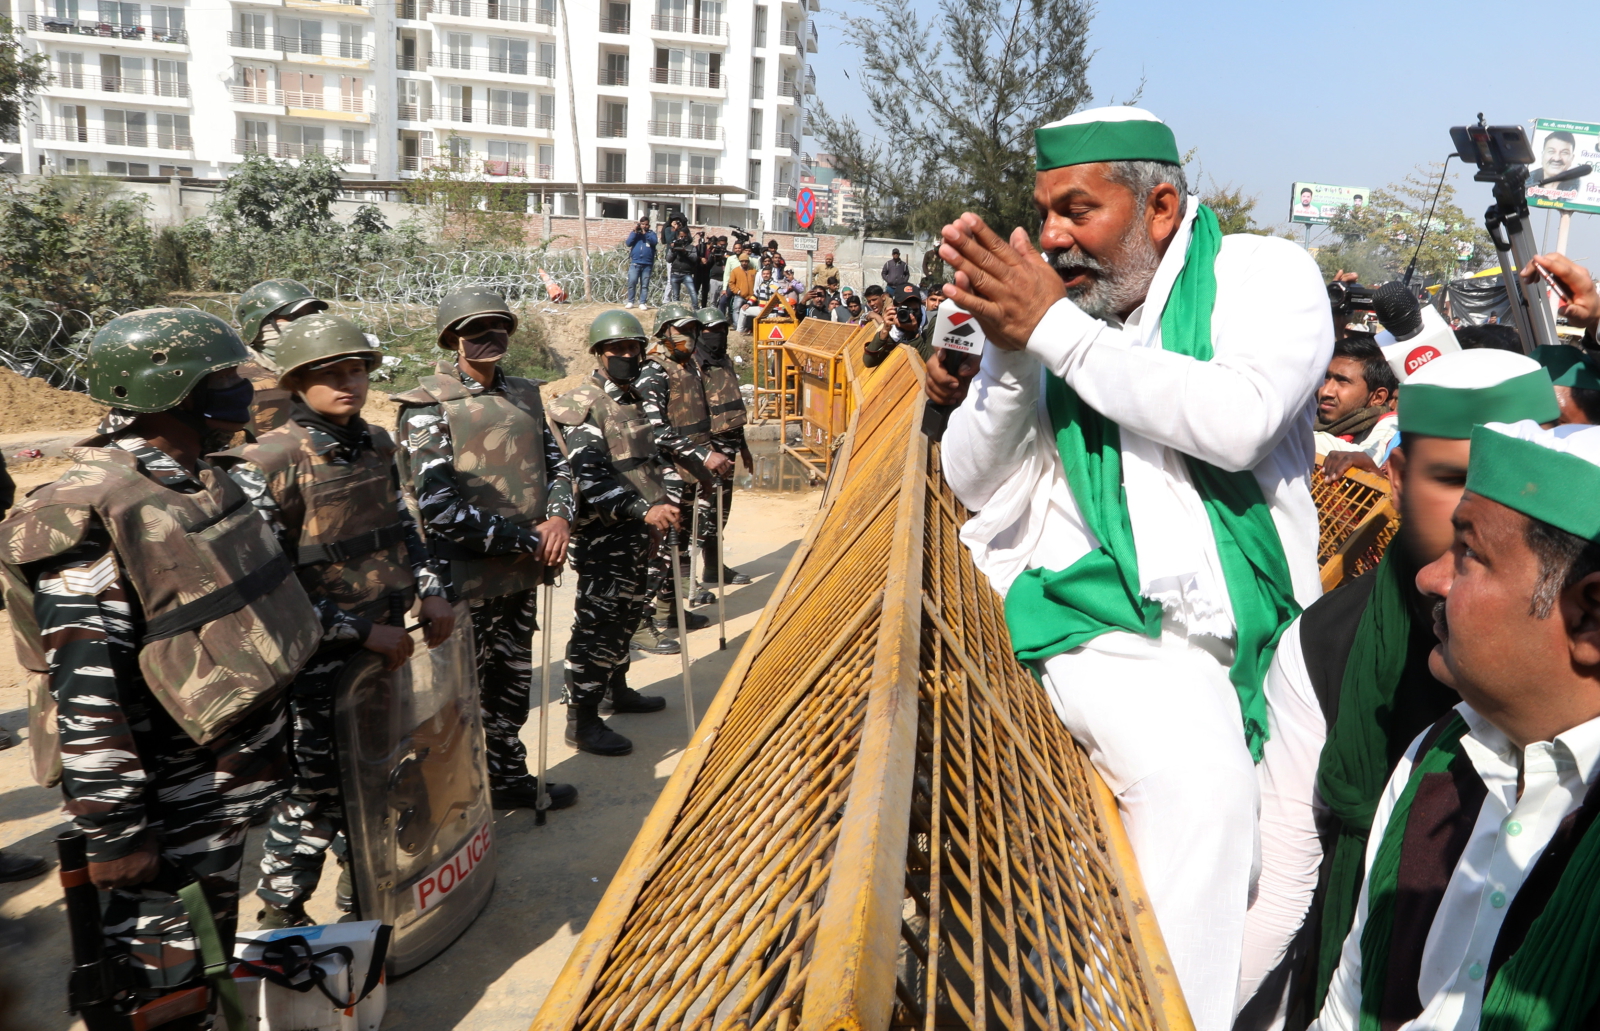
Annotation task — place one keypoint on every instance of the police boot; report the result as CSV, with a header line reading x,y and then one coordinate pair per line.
x,y
710,554
20,868
649,640
622,698
666,620
587,732
344,894
524,794
271,917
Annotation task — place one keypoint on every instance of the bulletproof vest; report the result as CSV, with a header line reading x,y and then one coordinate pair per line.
x,y
687,410
498,444
270,406
351,547
627,431
226,627
722,395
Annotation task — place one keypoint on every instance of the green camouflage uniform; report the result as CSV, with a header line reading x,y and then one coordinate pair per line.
x,y
163,694
332,497
728,417
474,485
672,396
620,475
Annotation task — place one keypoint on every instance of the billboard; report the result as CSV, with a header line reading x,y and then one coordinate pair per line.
x,y
1317,203
1557,146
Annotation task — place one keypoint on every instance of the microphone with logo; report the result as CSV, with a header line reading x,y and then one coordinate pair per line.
x,y
1414,334
956,334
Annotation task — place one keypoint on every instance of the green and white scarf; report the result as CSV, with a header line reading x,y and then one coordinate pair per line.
x,y
1052,611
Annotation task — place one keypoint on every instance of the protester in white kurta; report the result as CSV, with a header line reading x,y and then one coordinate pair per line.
x,y
1159,717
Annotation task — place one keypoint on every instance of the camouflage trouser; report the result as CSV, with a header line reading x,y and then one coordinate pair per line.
x,y
310,819
200,819
612,596
710,529
503,630
694,497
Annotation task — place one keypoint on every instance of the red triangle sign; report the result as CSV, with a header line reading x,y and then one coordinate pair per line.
x,y
776,334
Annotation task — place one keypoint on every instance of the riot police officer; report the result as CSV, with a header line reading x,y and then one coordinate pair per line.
x,y
325,481
627,509
493,493
725,404
166,624
264,311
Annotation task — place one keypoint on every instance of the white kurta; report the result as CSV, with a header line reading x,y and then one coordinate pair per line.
x,y
1159,718
1507,838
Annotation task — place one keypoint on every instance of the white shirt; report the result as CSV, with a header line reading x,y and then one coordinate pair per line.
x,y
1248,408
1507,839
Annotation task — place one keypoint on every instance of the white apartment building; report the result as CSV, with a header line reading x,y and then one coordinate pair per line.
x,y
698,104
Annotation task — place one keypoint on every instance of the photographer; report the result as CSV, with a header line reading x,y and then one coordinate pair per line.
x,y
683,260
701,275
716,268
905,327
815,305
641,244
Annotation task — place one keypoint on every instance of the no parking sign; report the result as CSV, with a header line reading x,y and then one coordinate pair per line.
x,y
805,208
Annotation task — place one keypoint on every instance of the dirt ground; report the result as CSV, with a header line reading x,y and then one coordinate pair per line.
x,y
549,878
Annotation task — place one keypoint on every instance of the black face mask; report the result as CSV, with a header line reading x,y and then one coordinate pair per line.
x,y
713,344
621,369
486,347
229,404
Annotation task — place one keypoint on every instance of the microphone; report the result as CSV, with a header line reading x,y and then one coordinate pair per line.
x,y
1398,310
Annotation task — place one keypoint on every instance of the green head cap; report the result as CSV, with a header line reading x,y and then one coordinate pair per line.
x,y
470,302
615,324
709,317
1568,366
148,361
1105,134
1549,475
318,340
1455,392
275,298
674,315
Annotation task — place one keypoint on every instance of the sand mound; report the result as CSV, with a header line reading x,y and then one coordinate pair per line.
x,y
32,404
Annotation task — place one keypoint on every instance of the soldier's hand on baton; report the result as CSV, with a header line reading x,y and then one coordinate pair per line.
x,y
128,871
392,642
438,620
663,517
553,537
1584,307
718,464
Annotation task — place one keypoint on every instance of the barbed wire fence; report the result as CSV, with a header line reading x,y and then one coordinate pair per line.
x,y
392,299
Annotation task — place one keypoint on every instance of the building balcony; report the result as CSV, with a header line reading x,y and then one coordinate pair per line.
x,y
786,140
123,32
813,5
138,139
783,191
811,38
693,80
616,26
537,123
789,39
519,66
119,84
411,112
688,26
683,179
293,46
604,176
810,81
363,5
609,77
788,90
280,149
685,130
494,10
410,62
411,10
612,130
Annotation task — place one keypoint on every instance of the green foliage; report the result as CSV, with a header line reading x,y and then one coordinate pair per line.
x,y
78,242
466,211
1235,209
955,100
266,195
1379,240
529,355
21,76
368,219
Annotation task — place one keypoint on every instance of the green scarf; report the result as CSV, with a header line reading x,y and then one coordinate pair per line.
x,y
1552,981
1052,611
1355,761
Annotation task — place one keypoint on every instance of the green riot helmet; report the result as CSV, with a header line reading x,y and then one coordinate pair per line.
x,y
709,317
468,302
674,315
275,298
149,361
321,339
615,324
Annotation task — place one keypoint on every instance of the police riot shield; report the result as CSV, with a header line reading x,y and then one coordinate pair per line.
x,y
417,794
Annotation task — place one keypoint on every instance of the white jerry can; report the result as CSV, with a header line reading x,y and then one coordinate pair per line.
x,y
330,979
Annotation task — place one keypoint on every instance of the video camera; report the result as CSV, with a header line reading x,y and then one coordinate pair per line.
x,y
739,235
1349,297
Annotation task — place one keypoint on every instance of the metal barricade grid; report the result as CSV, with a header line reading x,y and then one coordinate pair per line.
x,y
1356,520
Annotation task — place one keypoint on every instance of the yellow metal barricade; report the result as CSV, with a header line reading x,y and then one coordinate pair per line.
x,y
819,354
880,822
1356,520
775,385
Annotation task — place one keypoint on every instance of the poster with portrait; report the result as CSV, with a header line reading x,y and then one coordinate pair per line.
x,y
1318,203
1557,146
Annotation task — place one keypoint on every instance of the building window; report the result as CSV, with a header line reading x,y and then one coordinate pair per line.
x,y
350,44
547,111
755,128
752,180
546,65
126,168
545,168
179,170
172,132
507,158
760,22
758,78
127,128
613,167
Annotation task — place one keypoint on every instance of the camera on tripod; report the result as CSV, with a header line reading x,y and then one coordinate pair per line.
x,y
1349,297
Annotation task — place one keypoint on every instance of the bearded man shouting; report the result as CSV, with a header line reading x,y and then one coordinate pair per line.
x,y
1136,448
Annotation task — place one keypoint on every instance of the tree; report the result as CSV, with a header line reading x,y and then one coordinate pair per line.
x,y
21,76
1235,210
269,195
78,242
1385,233
956,99
467,211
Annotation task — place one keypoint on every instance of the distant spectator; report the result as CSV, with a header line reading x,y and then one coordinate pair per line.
x,y
641,245
825,271
789,285
716,269
852,310
778,261
681,254
895,272
741,289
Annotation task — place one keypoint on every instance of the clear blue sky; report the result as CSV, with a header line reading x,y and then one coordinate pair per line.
x,y
1273,93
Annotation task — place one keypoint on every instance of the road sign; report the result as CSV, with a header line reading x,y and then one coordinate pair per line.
x,y
805,208
805,243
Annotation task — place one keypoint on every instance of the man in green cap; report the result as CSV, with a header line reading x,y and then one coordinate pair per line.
x,y
1576,375
264,311
493,493
627,512
1349,688
161,622
325,481
1483,868
1136,451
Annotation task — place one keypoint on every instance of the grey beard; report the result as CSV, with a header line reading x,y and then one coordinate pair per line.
x,y
1114,288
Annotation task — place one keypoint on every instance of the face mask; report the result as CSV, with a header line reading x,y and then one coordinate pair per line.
x,y
485,347
714,344
230,404
621,369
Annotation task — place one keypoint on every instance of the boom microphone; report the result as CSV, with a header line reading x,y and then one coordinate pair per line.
x,y
1397,309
